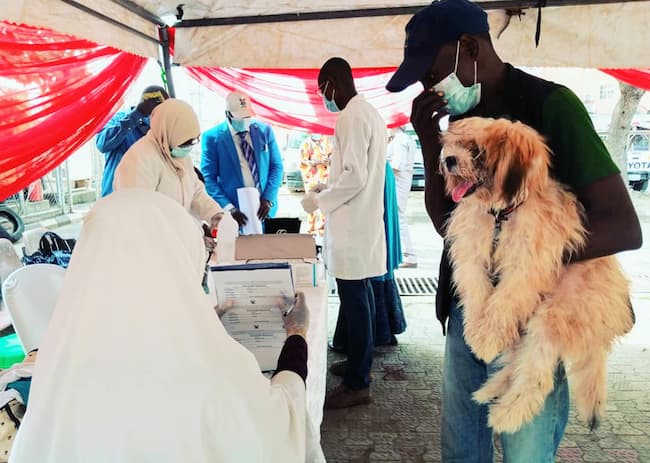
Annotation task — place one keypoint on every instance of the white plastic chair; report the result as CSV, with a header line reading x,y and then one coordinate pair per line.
x,y
9,260
30,295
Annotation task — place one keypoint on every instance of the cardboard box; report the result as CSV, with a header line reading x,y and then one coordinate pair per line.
x,y
263,247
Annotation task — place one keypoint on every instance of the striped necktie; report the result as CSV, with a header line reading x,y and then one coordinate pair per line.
x,y
249,154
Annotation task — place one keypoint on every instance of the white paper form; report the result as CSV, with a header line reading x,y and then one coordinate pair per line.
x,y
255,320
249,203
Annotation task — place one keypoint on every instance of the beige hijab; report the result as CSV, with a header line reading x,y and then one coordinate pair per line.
x,y
173,122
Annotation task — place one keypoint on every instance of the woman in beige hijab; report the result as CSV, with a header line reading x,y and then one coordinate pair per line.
x,y
160,161
135,366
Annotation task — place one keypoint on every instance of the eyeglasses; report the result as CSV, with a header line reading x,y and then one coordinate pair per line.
x,y
189,143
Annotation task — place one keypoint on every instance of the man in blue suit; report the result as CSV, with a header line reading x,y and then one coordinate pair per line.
x,y
241,152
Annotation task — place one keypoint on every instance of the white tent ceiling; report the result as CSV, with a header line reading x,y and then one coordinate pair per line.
x,y
613,35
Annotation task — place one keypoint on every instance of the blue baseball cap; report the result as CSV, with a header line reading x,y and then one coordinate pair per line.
x,y
441,22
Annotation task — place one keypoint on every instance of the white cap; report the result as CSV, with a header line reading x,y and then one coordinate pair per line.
x,y
239,105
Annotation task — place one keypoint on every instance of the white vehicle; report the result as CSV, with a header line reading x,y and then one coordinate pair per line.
x,y
638,158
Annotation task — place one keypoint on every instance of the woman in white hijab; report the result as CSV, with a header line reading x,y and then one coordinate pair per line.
x,y
135,366
160,161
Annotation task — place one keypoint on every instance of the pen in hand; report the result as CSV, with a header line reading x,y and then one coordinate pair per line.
x,y
289,304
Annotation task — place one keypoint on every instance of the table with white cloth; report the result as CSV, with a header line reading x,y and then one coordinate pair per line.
x,y
316,300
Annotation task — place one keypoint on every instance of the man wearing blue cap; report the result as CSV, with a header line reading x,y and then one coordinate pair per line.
x,y
124,129
449,51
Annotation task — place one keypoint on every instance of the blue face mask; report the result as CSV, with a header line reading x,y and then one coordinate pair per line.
x,y
240,125
330,105
179,152
460,99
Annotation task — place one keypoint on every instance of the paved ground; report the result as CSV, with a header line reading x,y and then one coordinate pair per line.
x,y
402,424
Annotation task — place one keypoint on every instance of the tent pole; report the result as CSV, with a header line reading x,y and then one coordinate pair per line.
x,y
108,19
163,33
374,12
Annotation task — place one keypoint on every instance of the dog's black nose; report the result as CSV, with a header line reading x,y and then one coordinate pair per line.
x,y
450,162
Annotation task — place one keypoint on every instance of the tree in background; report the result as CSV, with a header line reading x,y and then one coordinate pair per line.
x,y
619,126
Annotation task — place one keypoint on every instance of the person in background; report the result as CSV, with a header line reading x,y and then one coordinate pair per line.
x,y
401,156
124,129
315,154
241,152
355,240
160,161
146,372
450,52
389,317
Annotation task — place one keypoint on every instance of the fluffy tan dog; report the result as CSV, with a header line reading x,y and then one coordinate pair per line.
x,y
509,234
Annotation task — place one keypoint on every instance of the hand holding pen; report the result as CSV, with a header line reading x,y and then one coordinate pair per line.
x,y
295,314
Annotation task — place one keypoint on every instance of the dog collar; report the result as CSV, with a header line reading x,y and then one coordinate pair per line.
x,y
500,216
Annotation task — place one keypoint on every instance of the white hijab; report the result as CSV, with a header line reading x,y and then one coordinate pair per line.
x,y
135,366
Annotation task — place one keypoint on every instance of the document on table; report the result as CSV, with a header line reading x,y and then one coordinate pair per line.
x,y
249,203
255,320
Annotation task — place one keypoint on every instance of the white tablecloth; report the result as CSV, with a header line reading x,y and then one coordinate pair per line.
x,y
316,299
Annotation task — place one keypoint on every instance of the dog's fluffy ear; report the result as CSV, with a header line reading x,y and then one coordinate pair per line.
x,y
515,155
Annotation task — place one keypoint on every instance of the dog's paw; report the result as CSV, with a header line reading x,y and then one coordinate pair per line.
x,y
509,417
493,388
485,396
485,348
489,335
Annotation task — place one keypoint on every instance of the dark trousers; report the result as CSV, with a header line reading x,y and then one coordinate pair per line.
x,y
357,310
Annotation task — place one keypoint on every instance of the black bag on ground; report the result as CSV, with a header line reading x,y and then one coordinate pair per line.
x,y
52,249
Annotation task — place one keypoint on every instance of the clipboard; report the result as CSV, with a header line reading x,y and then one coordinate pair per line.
x,y
254,319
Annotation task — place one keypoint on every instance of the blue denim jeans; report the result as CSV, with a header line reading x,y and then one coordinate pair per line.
x,y
358,312
466,438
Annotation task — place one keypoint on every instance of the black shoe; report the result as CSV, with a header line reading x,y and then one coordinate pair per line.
x,y
339,368
343,397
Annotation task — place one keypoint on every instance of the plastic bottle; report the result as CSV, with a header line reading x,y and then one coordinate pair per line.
x,y
227,232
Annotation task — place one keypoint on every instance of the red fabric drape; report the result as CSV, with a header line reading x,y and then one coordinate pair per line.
x,y
287,97
56,92
635,77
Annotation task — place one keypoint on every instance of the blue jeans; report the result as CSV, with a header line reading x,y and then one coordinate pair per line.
x,y
466,437
358,313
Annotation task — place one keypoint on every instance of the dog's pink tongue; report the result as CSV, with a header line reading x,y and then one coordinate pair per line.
x,y
458,192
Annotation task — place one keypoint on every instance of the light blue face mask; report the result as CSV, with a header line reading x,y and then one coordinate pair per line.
x,y
330,105
460,99
241,125
181,152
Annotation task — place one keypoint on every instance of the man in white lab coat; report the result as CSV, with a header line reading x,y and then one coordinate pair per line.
x,y
353,204
401,156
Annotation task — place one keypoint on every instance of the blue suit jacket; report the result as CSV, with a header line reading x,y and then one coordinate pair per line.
x,y
222,171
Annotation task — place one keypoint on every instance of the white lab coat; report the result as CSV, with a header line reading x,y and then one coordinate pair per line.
x,y
144,167
353,202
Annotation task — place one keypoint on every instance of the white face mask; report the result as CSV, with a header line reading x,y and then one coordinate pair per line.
x,y
460,99
241,125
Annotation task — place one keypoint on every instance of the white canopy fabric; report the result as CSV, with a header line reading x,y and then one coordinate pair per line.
x,y
595,36
64,18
